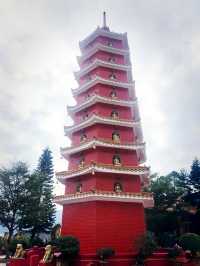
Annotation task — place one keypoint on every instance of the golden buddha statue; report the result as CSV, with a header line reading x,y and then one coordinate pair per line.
x,y
113,94
112,76
79,188
48,255
19,252
116,137
117,188
116,160
81,163
83,138
114,114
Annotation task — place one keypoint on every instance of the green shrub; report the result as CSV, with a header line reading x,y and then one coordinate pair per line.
x,y
190,242
105,253
167,240
146,245
68,245
174,252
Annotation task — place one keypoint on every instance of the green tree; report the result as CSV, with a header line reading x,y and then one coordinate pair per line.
x,y
12,196
40,211
194,177
167,213
45,165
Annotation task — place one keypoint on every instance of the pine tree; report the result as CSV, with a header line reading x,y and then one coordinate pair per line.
x,y
195,175
45,165
40,218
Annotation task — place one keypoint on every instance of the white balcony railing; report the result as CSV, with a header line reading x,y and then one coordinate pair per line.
x,y
145,198
94,119
97,79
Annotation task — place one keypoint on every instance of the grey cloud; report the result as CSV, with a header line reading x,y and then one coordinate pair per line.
x,y
38,48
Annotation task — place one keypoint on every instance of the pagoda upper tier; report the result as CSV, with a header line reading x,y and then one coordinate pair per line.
x,y
106,119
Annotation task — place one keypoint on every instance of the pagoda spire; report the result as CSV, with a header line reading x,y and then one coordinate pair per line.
x,y
105,27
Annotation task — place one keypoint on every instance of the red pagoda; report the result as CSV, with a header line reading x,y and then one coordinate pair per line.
x,y
103,205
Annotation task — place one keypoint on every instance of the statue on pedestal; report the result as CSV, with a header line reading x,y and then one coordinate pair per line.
x,y
118,187
114,114
116,160
48,255
19,252
116,137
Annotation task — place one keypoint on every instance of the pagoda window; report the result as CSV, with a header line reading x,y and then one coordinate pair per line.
x,y
116,160
85,116
88,78
79,188
83,138
116,137
111,59
82,163
118,187
110,44
113,94
87,96
112,76
114,114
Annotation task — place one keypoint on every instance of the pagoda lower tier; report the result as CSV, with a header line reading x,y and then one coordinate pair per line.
x,y
104,223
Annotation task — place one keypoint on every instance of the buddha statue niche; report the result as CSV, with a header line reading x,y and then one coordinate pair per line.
x,y
19,252
117,187
81,163
114,114
111,59
85,116
116,160
112,76
116,137
113,94
79,188
83,138
48,255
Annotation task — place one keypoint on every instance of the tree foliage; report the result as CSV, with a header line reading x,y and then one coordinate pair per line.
x,y
40,211
69,246
13,195
26,199
190,242
177,203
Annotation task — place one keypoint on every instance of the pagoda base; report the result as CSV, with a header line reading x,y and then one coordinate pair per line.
x,y
117,260
100,224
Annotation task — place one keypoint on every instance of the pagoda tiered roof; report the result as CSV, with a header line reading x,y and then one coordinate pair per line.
x,y
98,62
143,197
95,119
93,143
97,79
100,47
95,98
102,168
101,32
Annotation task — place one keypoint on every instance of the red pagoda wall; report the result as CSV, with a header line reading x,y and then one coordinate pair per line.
x,y
103,90
103,182
100,131
101,224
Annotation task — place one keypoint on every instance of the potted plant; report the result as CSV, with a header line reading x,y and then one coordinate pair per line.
x,y
68,249
104,254
191,245
146,246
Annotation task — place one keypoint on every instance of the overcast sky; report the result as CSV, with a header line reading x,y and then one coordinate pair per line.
x,y
38,49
